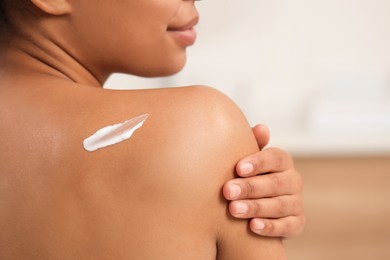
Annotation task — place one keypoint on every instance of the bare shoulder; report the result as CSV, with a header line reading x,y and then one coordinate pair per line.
x,y
163,184
196,133
210,136
201,122
221,136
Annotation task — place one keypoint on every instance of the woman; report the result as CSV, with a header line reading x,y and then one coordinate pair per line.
x,y
156,195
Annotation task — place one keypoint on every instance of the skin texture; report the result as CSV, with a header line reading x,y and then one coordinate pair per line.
x,y
58,200
133,200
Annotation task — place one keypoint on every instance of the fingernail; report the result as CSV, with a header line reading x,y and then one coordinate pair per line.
x,y
246,168
235,191
258,224
240,208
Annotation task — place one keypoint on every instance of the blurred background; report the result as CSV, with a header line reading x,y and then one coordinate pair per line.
x,y
318,74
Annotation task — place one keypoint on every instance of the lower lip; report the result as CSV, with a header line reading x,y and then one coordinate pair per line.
x,y
187,37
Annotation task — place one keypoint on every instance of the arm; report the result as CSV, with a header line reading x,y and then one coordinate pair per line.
x,y
230,138
237,241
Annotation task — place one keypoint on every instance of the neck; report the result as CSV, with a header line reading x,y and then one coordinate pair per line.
x,y
39,55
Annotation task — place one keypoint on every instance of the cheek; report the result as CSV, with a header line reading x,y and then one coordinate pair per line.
x,y
160,58
135,40
146,47
146,51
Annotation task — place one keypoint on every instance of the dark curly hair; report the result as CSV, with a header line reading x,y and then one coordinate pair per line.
x,y
4,20
7,9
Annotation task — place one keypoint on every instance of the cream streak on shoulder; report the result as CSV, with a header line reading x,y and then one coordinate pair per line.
x,y
114,134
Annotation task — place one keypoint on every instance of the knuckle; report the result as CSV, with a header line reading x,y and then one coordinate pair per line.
x,y
270,228
257,162
256,208
248,189
282,207
288,229
283,160
279,160
276,183
295,183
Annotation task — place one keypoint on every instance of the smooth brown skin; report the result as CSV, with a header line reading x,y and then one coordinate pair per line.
x,y
140,199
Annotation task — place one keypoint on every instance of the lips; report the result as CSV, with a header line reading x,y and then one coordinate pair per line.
x,y
184,26
184,32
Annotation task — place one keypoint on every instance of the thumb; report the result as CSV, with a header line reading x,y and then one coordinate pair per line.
x,y
262,135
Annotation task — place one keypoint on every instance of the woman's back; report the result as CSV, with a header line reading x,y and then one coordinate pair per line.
x,y
154,196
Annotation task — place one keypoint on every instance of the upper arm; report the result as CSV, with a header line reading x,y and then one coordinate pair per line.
x,y
229,138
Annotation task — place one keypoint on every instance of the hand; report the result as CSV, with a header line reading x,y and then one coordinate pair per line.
x,y
270,192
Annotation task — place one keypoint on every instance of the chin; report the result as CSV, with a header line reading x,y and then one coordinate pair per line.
x,y
168,72
162,70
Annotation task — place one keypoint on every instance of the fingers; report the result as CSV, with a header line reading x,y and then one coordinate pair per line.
x,y
262,186
268,160
271,193
287,227
278,207
262,135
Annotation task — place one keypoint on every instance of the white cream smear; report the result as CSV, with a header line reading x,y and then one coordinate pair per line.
x,y
114,134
